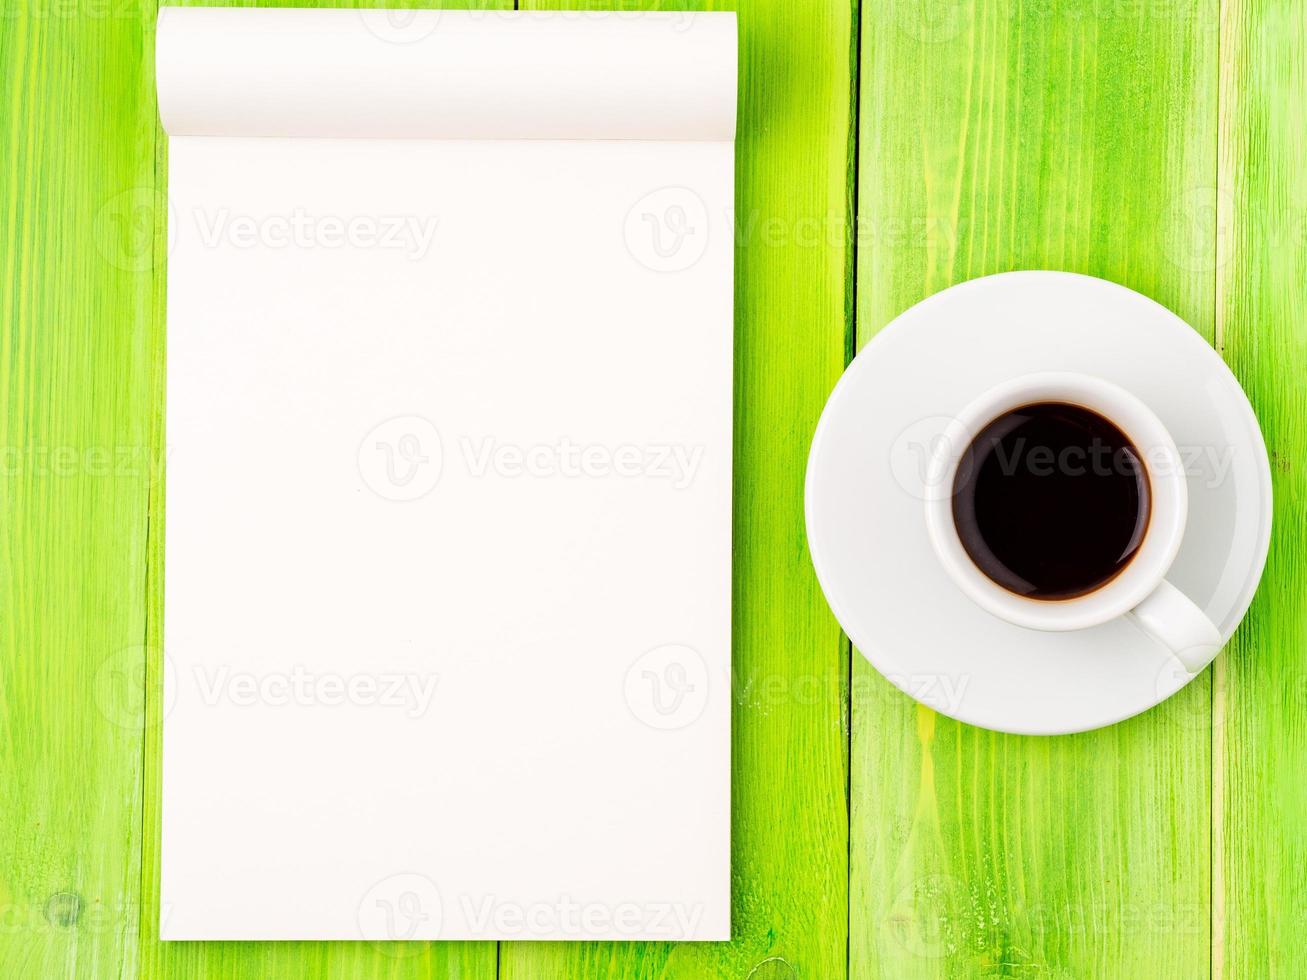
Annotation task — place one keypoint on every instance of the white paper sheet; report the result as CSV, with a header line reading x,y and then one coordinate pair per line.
x,y
447,614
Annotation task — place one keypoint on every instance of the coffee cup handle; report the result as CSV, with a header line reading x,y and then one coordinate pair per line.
x,y
1171,617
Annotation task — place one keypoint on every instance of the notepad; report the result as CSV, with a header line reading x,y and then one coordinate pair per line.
x,y
448,503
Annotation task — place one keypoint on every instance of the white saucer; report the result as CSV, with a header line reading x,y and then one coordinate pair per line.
x,y
865,488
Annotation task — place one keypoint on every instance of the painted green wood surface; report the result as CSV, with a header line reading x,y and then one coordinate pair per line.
x,y
1259,830
76,142
1006,136
1160,144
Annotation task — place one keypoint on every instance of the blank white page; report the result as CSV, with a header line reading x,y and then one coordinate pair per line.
x,y
448,504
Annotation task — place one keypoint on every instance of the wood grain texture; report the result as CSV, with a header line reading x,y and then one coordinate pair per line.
x,y
76,161
998,136
1260,813
789,811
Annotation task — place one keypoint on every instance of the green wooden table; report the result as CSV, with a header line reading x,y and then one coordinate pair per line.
x,y
885,152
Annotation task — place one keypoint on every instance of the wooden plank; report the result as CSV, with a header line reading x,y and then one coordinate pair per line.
x,y
1260,738
261,960
789,830
76,206
994,136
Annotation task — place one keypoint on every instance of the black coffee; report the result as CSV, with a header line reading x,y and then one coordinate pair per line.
x,y
1051,500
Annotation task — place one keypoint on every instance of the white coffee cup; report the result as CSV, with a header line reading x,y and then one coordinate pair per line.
x,y
1140,589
